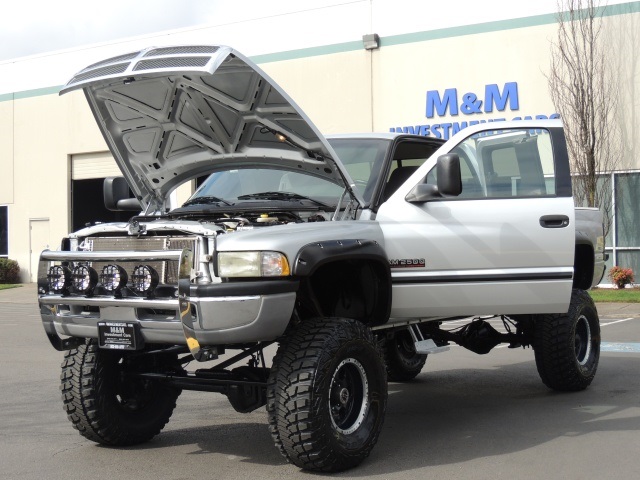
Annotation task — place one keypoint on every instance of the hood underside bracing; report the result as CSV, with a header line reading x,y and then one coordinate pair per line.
x,y
174,113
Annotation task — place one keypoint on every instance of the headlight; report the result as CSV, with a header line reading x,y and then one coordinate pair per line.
x,y
113,278
59,279
84,279
144,279
252,264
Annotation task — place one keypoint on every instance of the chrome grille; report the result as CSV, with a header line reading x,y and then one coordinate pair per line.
x,y
185,50
167,270
117,59
100,72
171,62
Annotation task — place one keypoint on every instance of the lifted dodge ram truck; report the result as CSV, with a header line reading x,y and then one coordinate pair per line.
x,y
352,253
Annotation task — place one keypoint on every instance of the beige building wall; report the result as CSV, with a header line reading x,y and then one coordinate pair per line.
x,y
623,36
333,90
46,132
6,153
81,134
404,73
40,178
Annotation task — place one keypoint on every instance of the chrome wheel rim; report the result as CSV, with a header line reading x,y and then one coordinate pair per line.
x,y
348,396
583,340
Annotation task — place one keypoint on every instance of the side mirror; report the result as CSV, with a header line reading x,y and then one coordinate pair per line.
x,y
116,196
449,181
449,177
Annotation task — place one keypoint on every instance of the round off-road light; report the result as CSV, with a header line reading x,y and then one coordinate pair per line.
x,y
144,279
113,278
59,278
84,279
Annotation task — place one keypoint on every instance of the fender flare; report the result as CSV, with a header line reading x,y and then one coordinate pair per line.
x,y
313,255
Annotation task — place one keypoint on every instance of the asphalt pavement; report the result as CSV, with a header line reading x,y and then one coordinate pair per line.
x,y
465,416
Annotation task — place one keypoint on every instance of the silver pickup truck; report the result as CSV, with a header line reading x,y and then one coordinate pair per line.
x,y
351,253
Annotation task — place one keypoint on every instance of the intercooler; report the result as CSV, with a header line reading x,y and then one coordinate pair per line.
x,y
167,270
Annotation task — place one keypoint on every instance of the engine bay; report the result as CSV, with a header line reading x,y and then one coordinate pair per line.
x,y
249,221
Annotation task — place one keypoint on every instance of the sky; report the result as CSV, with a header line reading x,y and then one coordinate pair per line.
x,y
31,27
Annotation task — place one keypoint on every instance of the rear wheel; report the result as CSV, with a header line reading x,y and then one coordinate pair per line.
x,y
401,359
327,395
567,346
108,407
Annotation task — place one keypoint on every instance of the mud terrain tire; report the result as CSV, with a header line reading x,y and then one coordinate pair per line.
x,y
327,394
104,407
567,346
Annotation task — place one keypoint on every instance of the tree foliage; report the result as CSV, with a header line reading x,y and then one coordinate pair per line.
x,y
584,91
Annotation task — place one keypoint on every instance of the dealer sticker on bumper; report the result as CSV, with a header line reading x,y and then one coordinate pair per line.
x,y
119,336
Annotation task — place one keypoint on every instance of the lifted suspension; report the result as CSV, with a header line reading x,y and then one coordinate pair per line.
x,y
244,386
480,336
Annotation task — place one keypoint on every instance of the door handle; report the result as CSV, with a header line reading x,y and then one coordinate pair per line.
x,y
554,221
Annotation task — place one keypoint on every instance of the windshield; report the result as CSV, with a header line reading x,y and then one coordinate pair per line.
x,y
249,183
361,158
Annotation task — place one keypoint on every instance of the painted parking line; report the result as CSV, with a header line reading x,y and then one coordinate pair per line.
x,y
620,347
616,321
616,347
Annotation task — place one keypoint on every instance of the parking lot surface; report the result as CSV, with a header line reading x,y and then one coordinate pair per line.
x,y
466,416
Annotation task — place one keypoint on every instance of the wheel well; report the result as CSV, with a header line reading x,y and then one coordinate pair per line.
x,y
358,289
583,266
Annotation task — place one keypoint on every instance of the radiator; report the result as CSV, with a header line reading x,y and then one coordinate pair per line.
x,y
167,270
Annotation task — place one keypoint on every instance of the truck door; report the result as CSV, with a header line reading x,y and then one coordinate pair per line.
x,y
505,245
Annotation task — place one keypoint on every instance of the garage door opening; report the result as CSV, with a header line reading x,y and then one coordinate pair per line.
x,y
88,171
87,205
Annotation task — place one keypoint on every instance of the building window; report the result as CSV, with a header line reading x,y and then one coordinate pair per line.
x,y
623,238
626,221
4,232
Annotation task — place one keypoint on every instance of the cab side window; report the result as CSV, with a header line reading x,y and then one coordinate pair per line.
x,y
505,163
407,157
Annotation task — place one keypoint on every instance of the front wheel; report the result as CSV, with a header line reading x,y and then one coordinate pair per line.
x,y
327,395
106,405
567,346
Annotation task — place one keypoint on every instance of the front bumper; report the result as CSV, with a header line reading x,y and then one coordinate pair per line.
x,y
202,315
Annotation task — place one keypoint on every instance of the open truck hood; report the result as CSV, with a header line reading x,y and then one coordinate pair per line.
x,y
174,113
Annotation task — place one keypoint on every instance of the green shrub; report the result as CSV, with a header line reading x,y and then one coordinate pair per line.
x,y
621,277
9,271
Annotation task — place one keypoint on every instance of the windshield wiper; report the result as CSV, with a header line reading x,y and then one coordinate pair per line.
x,y
205,200
280,196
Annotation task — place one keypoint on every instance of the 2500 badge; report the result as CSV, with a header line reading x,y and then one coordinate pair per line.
x,y
406,262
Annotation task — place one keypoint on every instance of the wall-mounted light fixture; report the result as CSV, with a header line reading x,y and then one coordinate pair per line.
x,y
371,41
